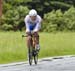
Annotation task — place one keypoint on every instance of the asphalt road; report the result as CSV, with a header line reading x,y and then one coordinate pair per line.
x,y
47,64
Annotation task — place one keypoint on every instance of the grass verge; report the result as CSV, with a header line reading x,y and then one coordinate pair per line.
x,y
13,46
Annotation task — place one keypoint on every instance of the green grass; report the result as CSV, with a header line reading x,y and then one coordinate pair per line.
x,y
13,46
57,44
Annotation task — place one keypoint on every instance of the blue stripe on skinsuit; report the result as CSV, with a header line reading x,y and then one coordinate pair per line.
x,y
32,26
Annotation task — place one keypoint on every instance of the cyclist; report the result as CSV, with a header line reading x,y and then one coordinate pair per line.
x,y
33,24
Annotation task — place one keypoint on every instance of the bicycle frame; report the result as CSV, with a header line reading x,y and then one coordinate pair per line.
x,y
31,51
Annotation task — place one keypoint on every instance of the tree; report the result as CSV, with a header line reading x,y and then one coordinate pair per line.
x,y
13,15
45,6
0,7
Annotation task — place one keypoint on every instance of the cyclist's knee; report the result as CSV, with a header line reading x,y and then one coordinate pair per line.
x,y
28,36
35,34
36,38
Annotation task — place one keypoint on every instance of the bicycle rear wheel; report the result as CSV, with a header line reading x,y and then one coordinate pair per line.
x,y
35,57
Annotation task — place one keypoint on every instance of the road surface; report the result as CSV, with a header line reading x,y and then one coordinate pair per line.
x,y
47,64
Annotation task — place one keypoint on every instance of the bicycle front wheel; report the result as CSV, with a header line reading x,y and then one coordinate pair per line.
x,y
30,55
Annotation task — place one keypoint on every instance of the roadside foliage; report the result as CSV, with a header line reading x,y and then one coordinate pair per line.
x,y
57,15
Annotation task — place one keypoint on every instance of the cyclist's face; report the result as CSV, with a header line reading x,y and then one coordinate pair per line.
x,y
33,18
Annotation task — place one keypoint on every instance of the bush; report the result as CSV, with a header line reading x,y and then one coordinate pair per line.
x,y
7,27
69,18
58,21
14,17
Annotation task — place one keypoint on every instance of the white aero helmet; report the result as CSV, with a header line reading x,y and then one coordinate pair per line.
x,y
33,12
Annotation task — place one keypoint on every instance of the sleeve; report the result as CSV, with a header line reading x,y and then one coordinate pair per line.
x,y
38,25
27,24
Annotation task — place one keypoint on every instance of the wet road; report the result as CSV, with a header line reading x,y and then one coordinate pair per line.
x,y
47,64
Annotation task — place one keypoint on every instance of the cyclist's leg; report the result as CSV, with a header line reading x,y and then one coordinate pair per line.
x,y
36,40
29,44
36,37
29,39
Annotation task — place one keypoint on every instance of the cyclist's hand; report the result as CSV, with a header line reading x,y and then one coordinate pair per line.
x,y
33,32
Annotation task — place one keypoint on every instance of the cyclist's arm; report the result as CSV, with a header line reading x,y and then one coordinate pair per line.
x,y
38,26
27,24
